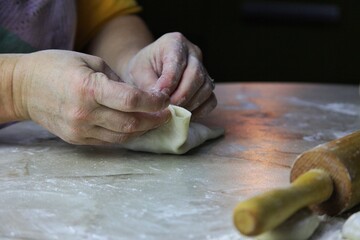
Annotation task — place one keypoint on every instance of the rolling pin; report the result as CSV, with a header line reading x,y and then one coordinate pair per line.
x,y
326,179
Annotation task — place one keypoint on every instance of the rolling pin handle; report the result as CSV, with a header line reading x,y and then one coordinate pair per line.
x,y
265,212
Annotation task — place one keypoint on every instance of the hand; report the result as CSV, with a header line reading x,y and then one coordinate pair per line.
x,y
173,65
80,99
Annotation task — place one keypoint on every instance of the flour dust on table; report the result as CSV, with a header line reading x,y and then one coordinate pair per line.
x,y
300,226
351,228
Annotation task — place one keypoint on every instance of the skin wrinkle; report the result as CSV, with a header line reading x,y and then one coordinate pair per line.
x,y
194,71
157,62
99,91
21,109
12,92
131,124
182,101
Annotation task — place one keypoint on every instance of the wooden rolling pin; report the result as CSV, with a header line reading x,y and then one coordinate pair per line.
x,y
325,178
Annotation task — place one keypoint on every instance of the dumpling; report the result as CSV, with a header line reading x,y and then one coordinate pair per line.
x,y
177,136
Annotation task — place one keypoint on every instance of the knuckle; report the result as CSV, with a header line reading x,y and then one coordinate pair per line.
x,y
89,86
97,77
177,36
177,41
82,88
131,99
131,125
78,115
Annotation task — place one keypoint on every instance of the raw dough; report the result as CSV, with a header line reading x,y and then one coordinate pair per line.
x,y
177,136
298,227
351,228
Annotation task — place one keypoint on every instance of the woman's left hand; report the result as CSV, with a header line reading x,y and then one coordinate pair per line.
x,y
173,65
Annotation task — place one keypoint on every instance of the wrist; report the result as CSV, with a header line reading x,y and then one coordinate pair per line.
x,y
119,41
11,89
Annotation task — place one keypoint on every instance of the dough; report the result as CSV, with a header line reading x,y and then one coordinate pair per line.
x,y
177,136
351,228
300,226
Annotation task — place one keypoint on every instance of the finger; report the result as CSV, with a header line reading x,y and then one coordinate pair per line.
x,y
84,140
173,65
122,122
205,108
108,136
99,65
147,80
94,142
195,51
205,91
123,97
191,81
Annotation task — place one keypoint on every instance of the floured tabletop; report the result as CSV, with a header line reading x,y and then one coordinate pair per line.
x,y
52,190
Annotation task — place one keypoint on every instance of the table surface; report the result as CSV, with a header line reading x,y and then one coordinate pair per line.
x,y
52,190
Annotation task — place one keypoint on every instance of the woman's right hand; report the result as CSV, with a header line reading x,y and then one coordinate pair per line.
x,y
81,100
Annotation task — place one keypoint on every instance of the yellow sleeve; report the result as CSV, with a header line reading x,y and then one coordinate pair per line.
x,y
92,14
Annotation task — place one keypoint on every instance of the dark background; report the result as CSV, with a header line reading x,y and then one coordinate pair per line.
x,y
243,45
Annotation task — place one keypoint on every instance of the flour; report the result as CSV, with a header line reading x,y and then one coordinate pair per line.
x,y
343,108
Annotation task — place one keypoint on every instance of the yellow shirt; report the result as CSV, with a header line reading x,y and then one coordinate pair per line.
x,y
92,14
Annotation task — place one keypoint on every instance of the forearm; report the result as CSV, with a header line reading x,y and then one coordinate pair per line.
x,y
9,110
119,40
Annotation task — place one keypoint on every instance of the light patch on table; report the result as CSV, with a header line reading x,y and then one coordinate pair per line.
x,y
343,108
321,136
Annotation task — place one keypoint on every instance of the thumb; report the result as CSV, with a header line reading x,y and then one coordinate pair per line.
x,y
126,98
111,92
97,64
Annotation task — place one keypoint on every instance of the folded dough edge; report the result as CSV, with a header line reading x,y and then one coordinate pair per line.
x,y
177,136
